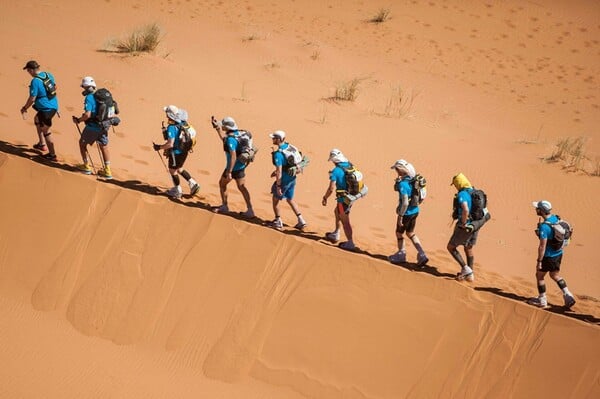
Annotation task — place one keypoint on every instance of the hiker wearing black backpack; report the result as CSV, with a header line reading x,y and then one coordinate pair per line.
x,y
239,152
99,110
178,143
554,234
288,162
42,96
411,189
470,213
347,183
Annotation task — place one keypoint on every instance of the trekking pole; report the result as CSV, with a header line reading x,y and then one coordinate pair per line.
x,y
100,155
86,150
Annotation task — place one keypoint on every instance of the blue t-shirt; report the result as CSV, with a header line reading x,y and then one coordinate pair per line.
x,y
546,232
231,144
464,195
37,90
173,133
339,177
89,105
405,188
279,160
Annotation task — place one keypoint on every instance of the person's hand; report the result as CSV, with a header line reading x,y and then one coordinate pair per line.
x,y
23,110
75,120
274,173
324,201
228,176
214,122
538,265
156,146
278,191
292,171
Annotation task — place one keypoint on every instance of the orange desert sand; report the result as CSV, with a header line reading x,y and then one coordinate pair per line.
x,y
111,290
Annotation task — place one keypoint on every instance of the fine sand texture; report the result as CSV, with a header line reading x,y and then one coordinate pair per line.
x,y
108,289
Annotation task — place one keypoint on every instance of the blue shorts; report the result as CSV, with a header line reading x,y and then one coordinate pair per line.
x,y
287,191
89,135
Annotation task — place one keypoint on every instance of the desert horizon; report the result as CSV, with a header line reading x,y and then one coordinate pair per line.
x,y
110,289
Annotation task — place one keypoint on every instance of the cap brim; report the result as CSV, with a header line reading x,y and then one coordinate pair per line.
x,y
535,204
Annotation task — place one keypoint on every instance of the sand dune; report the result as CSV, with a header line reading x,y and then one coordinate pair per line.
x,y
223,300
111,289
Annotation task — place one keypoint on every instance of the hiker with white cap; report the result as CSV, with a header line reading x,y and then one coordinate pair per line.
x,y
550,252
176,151
287,160
94,130
407,211
346,181
42,96
237,145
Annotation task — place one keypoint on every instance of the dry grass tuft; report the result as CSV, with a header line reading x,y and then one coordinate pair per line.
x,y
142,40
570,150
346,91
596,167
382,15
315,55
400,102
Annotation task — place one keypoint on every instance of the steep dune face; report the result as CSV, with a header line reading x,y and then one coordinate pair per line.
x,y
186,291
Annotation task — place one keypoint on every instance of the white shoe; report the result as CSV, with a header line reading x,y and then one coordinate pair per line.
x,y
422,260
540,302
466,274
277,224
332,236
569,300
194,188
398,257
174,192
347,245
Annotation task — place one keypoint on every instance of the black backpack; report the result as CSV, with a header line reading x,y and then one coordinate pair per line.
x,y
419,190
49,85
478,204
106,106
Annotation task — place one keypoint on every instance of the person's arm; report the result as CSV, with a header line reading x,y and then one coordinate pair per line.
x,y
465,213
84,117
28,103
165,146
541,251
403,205
330,190
218,128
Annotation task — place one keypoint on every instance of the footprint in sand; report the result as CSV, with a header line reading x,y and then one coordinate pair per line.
x,y
145,148
119,134
70,109
126,156
203,172
3,114
141,162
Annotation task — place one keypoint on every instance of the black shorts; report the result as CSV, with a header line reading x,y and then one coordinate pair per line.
x,y
462,237
45,117
176,161
409,223
551,264
236,174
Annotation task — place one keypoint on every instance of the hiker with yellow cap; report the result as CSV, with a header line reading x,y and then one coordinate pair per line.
x,y
407,211
463,234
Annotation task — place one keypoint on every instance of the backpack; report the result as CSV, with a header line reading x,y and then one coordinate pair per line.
x,y
49,86
292,156
245,150
354,180
106,107
419,190
187,137
562,232
478,204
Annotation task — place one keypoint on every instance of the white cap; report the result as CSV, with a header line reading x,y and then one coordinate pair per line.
x,y
408,167
336,156
278,134
88,81
228,123
172,113
544,205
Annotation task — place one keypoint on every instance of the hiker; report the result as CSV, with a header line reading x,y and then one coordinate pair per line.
x,y
42,96
94,131
175,150
287,160
463,233
235,167
407,211
338,183
549,256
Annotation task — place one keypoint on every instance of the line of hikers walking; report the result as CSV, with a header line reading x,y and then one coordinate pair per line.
x,y
469,210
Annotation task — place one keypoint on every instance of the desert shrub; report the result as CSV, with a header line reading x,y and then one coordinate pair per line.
x,y
382,15
142,40
400,102
347,90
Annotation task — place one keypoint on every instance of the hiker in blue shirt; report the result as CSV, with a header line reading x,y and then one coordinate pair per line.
x,y
407,213
548,258
344,201
93,131
174,152
463,235
285,180
235,167
42,96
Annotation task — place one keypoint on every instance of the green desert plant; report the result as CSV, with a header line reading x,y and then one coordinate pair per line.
x,y
347,90
382,15
141,40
